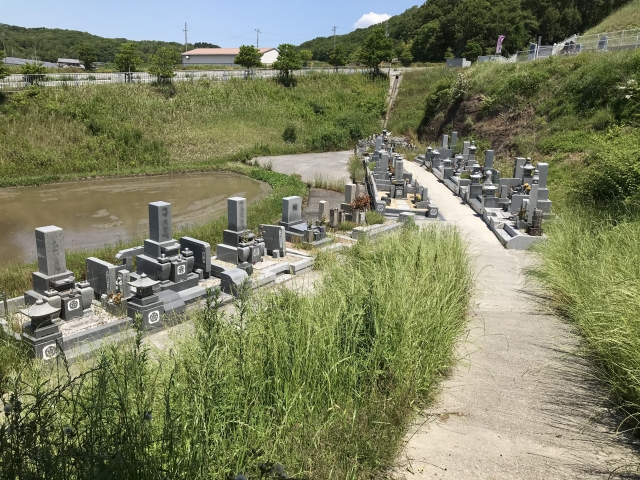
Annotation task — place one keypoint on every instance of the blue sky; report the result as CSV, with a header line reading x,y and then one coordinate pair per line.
x,y
228,24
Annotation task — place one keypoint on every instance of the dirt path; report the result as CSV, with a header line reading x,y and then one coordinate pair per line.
x,y
518,405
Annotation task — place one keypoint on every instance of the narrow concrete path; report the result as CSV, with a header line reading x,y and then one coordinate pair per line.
x,y
394,88
518,405
329,165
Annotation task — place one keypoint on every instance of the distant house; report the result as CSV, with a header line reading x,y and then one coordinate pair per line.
x,y
69,63
223,56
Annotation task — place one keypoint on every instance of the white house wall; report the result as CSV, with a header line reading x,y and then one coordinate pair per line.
x,y
208,60
270,57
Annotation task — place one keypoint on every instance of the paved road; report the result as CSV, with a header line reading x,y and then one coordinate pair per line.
x,y
331,165
518,405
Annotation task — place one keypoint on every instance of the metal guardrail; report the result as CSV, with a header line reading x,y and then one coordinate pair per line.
x,y
21,81
599,42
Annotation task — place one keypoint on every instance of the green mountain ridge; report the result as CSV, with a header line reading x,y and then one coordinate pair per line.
x,y
49,44
471,27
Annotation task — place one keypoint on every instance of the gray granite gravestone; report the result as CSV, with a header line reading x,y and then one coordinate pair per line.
x,y
160,221
323,210
274,239
349,193
488,160
237,212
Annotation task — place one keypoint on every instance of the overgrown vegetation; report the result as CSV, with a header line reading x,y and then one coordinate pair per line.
x,y
439,28
628,17
133,129
53,43
317,386
580,114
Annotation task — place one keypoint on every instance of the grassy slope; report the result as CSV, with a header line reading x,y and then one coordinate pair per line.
x,y
57,133
582,116
628,17
323,384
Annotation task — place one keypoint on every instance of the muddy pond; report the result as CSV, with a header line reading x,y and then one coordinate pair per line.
x,y
98,212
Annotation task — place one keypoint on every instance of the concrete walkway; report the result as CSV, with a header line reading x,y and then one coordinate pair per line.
x,y
328,165
518,405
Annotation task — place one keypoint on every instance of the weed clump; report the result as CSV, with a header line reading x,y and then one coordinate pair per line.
x,y
290,135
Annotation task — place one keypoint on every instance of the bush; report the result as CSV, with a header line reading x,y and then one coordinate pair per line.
x,y
374,218
290,134
329,138
347,226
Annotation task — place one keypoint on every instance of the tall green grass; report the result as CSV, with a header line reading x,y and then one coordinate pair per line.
x,y
581,114
49,134
317,386
591,265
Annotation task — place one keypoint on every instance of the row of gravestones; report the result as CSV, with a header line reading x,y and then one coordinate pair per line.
x,y
515,203
165,281
391,184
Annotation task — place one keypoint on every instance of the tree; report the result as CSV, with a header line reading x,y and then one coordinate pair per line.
x,y
87,55
406,57
4,72
33,73
472,51
288,61
355,56
249,57
205,45
376,48
127,59
339,57
164,62
306,56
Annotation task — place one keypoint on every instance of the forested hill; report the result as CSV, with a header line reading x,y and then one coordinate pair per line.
x,y
49,44
471,27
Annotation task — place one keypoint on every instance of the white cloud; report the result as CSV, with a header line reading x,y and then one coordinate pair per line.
x,y
369,19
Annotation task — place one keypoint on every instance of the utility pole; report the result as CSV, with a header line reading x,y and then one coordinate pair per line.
x,y
334,37
185,37
258,38
4,49
386,28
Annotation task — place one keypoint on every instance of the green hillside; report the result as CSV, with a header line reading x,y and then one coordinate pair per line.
x,y
49,44
628,17
580,114
471,27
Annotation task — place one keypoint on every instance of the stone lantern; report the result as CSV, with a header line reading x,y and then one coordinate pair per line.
x,y
528,170
488,188
42,333
472,151
145,302
41,314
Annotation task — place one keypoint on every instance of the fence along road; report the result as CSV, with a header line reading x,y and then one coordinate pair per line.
x,y
21,81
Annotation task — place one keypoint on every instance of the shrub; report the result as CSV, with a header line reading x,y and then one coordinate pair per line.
x,y
290,134
329,138
374,218
347,226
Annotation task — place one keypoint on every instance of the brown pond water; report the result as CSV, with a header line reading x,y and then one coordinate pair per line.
x,y
99,212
